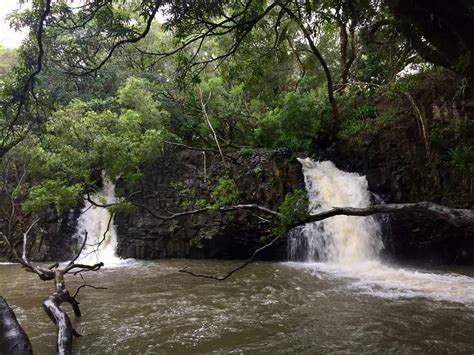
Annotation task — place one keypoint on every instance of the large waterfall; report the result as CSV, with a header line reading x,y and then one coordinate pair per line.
x,y
342,239
348,247
97,221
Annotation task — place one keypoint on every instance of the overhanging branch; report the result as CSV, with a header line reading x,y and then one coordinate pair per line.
x,y
456,217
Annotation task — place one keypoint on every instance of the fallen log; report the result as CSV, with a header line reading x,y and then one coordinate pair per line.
x,y
13,339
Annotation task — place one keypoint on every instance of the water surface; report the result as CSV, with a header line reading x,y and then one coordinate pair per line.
x,y
150,308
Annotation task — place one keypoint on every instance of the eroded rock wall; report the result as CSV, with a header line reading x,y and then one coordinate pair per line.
x,y
50,240
402,165
178,182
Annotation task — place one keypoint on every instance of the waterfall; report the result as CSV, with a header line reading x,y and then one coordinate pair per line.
x,y
101,244
348,247
341,239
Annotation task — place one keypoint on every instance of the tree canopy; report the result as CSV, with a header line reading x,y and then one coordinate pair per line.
x,y
108,85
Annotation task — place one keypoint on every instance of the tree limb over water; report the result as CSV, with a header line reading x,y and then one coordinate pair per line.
x,y
456,217
463,218
65,331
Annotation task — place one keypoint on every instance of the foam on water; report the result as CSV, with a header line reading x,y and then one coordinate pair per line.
x,y
381,280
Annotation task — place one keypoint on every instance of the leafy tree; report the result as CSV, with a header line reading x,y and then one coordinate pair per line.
x,y
294,208
8,58
77,142
294,123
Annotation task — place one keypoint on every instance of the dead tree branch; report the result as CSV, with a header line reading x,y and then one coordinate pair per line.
x,y
206,209
196,148
421,125
456,217
240,267
206,116
51,306
90,286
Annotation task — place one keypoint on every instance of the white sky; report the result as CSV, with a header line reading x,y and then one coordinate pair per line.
x,y
8,37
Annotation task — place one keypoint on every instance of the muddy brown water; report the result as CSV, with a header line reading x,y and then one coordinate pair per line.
x,y
273,308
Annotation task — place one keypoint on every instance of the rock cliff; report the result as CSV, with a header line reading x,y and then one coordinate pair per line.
x,y
183,181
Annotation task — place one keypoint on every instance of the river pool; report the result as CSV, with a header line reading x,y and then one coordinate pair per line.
x,y
151,308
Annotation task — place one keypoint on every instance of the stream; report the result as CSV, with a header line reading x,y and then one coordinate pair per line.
x,y
151,308
335,295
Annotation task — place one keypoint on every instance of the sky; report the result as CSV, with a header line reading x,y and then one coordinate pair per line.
x,y
8,37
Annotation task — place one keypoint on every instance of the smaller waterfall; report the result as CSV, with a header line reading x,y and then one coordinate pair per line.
x,y
101,242
341,239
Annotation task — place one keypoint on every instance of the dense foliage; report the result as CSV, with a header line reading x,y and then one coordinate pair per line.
x,y
105,87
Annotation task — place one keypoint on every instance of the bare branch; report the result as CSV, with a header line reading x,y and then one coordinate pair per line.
x,y
240,267
206,209
83,267
422,124
25,239
456,217
90,286
196,148
79,251
109,223
204,112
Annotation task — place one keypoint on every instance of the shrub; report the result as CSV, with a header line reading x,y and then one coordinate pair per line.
x,y
225,193
462,159
293,208
245,152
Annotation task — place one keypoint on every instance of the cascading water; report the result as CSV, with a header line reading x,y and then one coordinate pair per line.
x,y
101,244
343,239
349,247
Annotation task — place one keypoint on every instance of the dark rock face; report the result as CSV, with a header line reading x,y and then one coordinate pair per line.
x,y
397,170
175,182
50,240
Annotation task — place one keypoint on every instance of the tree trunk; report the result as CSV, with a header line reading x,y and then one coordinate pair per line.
x,y
13,339
62,321
322,62
51,306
